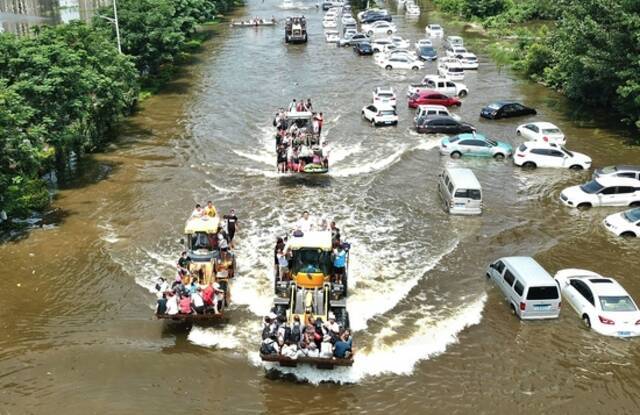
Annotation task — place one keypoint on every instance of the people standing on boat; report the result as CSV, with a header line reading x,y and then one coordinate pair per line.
x,y
161,305
218,298
283,266
162,286
335,233
210,210
320,122
183,262
232,224
293,105
282,158
185,304
339,264
308,106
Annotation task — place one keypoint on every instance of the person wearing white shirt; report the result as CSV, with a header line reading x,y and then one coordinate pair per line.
x,y
305,223
197,301
172,305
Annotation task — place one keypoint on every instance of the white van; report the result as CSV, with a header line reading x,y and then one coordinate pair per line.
x,y
530,291
460,191
451,68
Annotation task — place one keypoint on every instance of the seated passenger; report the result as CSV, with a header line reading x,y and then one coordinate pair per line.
x,y
185,305
210,210
269,346
207,295
193,287
197,301
198,212
172,304
312,350
218,302
331,325
326,348
296,329
290,350
342,348
161,305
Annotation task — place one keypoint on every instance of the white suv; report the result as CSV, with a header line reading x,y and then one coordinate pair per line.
x,y
603,191
384,96
534,154
542,131
625,223
380,115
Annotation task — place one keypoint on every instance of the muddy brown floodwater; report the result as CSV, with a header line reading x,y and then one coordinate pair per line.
x,y
433,336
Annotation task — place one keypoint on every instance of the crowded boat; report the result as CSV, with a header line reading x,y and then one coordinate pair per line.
x,y
201,289
299,145
309,322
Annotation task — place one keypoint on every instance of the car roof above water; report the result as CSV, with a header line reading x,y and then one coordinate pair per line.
x,y
528,270
463,178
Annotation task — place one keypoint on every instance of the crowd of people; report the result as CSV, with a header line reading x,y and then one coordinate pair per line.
x,y
298,142
201,287
283,254
314,338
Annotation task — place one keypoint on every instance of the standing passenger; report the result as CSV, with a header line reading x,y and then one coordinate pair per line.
x,y
232,224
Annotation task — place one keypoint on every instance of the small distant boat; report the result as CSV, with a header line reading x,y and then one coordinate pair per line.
x,y
255,23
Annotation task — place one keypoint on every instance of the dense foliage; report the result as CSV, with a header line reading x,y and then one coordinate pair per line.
x,y
588,49
64,88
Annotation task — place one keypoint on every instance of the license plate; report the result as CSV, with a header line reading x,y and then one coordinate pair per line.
x,y
541,306
387,122
624,333
460,205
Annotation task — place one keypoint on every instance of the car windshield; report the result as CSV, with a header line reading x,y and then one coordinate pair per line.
x,y
632,215
311,260
385,94
426,49
591,187
494,106
454,139
522,147
492,142
435,27
455,69
617,303
387,112
551,131
609,169
543,293
570,154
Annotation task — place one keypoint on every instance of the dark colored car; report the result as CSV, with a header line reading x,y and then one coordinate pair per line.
x,y
505,109
429,97
363,48
428,53
374,17
443,124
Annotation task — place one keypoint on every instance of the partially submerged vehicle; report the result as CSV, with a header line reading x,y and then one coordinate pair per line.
x,y
256,22
207,265
300,147
295,29
311,291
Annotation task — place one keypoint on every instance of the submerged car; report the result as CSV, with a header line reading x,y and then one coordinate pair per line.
x,y
542,131
399,62
434,30
363,48
427,53
601,302
474,145
603,191
625,223
621,170
380,114
384,96
532,154
443,125
353,38
424,111
430,97
505,109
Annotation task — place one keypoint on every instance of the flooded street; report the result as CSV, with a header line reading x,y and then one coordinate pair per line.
x,y
432,335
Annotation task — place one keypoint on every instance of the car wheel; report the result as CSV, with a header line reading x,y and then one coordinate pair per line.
x,y
389,32
459,104
462,94
586,320
498,156
518,133
529,165
370,33
513,310
388,67
584,206
363,117
635,204
456,155
576,167
373,123
415,68
628,234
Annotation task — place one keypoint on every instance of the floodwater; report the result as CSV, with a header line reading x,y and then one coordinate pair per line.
x,y
433,336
